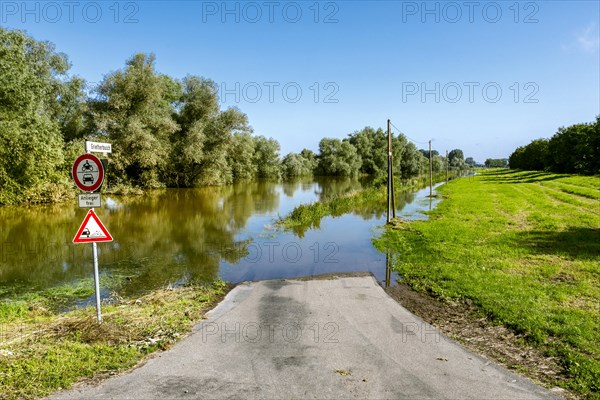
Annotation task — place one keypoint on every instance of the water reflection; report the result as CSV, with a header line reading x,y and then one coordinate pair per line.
x,y
174,236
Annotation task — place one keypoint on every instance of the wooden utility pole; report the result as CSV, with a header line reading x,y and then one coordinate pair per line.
x,y
391,156
446,166
389,187
430,171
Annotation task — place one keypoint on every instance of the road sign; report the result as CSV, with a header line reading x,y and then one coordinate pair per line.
x,y
90,200
98,147
88,172
92,230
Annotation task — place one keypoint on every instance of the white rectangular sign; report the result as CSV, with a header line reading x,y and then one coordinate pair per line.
x,y
90,200
97,147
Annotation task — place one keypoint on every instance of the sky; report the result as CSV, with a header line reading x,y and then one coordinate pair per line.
x,y
481,76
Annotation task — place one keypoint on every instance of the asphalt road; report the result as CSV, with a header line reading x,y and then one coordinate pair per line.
x,y
327,338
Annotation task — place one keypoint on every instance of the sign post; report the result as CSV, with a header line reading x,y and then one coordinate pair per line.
x,y
88,174
92,230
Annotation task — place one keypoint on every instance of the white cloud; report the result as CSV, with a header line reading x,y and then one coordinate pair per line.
x,y
588,39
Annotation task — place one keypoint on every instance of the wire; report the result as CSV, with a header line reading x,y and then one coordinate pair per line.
x,y
408,137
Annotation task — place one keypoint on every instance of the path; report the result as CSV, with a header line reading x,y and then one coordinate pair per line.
x,y
328,338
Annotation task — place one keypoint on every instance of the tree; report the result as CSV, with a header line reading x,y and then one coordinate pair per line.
x,y
456,157
311,159
338,158
33,83
534,156
266,157
496,163
134,111
470,162
426,153
296,165
575,149
241,157
411,161
372,148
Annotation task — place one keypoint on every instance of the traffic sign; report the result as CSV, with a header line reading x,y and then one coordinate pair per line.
x,y
98,147
92,230
88,172
89,200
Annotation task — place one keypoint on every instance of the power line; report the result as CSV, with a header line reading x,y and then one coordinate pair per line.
x,y
408,137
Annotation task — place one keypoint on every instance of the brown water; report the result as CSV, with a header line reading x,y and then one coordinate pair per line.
x,y
174,236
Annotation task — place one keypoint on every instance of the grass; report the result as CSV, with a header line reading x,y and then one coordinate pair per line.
x,y
364,201
524,248
307,216
42,351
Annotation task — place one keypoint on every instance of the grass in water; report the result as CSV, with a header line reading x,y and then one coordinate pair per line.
x,y
524,248
366,201
42,351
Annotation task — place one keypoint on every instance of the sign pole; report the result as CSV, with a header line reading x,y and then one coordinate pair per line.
x,y
97,282
88,174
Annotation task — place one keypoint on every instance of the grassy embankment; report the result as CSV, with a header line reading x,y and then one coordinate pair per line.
x,y
43,350
524,249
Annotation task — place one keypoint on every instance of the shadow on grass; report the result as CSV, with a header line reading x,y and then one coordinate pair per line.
x,y
578,243
520,177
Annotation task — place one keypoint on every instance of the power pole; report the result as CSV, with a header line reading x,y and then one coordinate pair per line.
x,y
389,187
446,166
391,155
430,171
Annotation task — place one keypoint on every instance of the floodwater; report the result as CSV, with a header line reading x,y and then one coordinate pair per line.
x,y
174,236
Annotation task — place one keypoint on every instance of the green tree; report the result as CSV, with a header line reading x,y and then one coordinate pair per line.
x,y
212,147
295,165
241,156
33,80
266,157
470,162
411,161
575,149
372,148
311,159
534,156
496,163
134,111
338,158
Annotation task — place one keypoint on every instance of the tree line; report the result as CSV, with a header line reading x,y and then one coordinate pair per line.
x,y
574,149
165,132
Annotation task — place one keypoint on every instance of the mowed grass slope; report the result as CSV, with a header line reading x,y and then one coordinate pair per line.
x,y
524,249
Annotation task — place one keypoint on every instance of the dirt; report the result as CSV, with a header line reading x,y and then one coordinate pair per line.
x,y
460,321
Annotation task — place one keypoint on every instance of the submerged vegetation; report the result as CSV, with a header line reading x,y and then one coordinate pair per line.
x,y
524,249
366,201
42,351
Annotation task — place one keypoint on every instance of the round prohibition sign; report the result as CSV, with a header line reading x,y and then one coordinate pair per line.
x,y
88,172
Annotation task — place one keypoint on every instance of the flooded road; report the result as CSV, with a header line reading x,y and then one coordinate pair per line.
x,y
174,236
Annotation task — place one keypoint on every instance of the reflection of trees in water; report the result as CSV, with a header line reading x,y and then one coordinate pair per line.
x,y
373,208
329,187
292,184
35,244
163,237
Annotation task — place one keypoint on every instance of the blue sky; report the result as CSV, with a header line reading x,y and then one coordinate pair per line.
x,y
481,76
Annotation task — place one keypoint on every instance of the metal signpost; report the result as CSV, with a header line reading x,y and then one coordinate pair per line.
x,y
88,174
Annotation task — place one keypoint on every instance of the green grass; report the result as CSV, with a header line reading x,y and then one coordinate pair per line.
x,y
365,201
42,351
307,216
524,248
16,306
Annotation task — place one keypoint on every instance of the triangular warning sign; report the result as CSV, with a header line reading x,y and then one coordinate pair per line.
x,y
92,230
